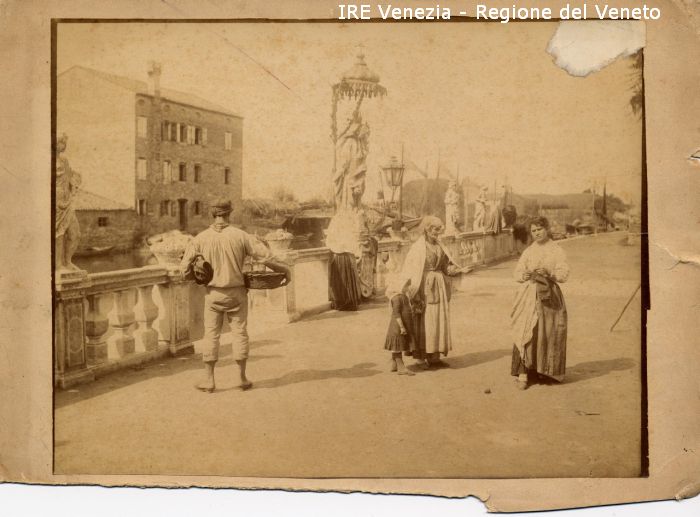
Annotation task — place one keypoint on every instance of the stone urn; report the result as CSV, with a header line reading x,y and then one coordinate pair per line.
x,y
279,240
169,247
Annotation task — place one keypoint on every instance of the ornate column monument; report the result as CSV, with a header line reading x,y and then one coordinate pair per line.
x,y
348,231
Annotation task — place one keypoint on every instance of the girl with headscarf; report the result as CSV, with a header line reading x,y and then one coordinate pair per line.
x,y
400,337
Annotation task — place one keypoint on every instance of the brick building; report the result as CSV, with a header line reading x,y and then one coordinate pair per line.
x,y
165,153
104,224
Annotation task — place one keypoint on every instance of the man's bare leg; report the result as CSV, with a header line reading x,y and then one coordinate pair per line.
x,y
208,383
245,383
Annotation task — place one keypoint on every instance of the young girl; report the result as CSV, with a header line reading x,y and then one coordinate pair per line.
x,y
400,335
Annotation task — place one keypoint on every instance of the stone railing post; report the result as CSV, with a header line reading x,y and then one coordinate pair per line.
x,y
70,361
96,326
146,312
121,317
174,313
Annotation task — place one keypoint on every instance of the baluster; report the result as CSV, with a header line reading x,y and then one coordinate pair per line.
x,y
146,312
96,326
121,318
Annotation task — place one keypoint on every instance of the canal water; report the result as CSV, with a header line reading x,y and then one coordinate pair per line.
x,y
115,261
143,257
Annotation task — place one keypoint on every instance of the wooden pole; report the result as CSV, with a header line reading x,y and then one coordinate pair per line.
x,y
403,171
625,308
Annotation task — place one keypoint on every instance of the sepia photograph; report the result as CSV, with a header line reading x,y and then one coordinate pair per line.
x,y
314,249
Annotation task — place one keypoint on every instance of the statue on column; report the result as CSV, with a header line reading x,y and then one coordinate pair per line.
x,y
351,163
67,227
494,221
452,215
480,209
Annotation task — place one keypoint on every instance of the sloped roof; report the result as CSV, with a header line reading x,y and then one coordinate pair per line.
x,y
141,87
85,200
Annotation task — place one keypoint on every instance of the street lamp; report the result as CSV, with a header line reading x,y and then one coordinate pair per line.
x,y
393,174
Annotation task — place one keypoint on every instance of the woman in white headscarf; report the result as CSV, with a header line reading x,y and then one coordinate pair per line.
x,y
425,269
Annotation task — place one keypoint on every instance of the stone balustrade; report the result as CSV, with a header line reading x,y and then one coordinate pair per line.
x,y
466,249
106,321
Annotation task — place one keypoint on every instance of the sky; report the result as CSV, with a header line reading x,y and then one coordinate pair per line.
x,y
484,98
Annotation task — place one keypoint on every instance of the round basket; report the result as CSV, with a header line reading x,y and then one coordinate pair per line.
x,y
263,279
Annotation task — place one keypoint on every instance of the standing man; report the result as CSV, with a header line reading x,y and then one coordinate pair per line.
x,y
225,248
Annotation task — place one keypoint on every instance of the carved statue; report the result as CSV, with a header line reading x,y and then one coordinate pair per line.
x,y
494,222
452,214
67,228
351,168
480,210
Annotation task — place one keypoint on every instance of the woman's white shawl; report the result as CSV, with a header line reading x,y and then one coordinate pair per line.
x,y
412,269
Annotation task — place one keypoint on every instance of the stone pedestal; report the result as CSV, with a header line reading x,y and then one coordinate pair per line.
x,y
70,360
178,305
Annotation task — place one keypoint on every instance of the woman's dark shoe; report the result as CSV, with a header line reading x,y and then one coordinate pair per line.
x,y
422,364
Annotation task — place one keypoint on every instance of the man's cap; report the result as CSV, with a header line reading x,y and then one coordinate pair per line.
x,y
221,207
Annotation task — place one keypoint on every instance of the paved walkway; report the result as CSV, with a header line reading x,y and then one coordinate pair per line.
x,y
324,404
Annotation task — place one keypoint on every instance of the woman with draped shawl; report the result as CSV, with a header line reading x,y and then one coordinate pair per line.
x,y
425,269
538,319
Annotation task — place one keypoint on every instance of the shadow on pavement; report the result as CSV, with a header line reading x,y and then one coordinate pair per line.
x,y
593,369
476,358
334,314
164,367
297,376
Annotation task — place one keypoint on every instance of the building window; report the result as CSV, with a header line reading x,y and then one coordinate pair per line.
x,y
142,127
173,208
164,208
102,221
167,172
227,176
197,208
183,133
197,173
228,141
182,176
198,136
141,207
142,169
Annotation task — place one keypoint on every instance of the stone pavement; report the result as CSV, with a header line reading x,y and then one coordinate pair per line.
x,y
325,405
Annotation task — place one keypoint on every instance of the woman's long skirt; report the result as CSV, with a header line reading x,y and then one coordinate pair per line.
x,y
433,326
344,282
545,353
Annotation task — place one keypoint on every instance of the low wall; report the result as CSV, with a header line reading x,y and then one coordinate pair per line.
x,y
465,249
106,321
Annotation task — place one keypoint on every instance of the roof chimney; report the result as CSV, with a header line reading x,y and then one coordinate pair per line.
x,y
154,76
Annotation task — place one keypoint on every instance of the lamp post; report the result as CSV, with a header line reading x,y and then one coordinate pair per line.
x,y
393,174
